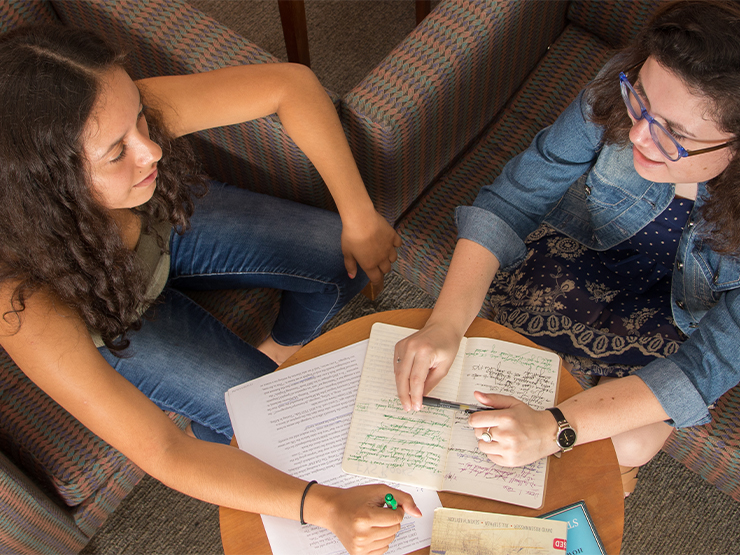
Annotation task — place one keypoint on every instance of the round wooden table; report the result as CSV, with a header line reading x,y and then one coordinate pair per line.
x,y
589,472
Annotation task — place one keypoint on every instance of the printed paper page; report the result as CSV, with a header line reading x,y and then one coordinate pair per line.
x,y
385,441
284,417
297,420
288,537
530,375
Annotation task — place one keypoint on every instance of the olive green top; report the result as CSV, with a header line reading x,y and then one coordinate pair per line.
x,y
157,265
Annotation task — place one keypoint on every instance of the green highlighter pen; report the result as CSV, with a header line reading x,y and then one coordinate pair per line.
x,y
390,502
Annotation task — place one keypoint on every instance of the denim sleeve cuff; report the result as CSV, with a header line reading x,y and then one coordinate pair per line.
x,y
675,392
490,231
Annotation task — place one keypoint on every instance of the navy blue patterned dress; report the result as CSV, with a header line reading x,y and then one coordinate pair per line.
x,y
612,306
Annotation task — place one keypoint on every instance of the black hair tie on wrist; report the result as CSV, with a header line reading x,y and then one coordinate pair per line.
x,y
303,499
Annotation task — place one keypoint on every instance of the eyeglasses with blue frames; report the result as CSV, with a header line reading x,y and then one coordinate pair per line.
x,y
663,139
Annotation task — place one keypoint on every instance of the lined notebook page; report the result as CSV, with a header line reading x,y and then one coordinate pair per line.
x,y
531,376
493,366
384,440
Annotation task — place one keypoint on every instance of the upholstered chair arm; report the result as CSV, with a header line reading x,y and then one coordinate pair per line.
x,y
429,99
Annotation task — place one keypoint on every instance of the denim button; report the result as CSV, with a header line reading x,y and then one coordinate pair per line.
x,y
679,266
690,225
681,305
587,188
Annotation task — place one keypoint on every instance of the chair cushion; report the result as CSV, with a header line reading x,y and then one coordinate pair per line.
x,y
616,23
48,443
713,450
424,104
249,313
31,522
64,459
15,13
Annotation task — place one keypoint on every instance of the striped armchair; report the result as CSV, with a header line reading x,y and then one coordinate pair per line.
x,y
466,91
58,481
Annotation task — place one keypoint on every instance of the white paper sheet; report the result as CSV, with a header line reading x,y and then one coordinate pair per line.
x,y
297,420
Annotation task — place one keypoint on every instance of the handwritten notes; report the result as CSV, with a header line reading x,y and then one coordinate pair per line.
x,y
530,375
434,447
384,440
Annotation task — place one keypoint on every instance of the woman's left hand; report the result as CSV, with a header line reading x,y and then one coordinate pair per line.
x,y
521,435
370,242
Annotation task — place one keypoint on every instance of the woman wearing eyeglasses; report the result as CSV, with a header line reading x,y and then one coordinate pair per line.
x,y
639,181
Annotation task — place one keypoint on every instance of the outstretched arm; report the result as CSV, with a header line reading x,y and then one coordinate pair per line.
x,y
522,435
53,347
427,355
232,95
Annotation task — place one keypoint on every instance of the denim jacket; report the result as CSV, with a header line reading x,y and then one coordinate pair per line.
x,y
593,194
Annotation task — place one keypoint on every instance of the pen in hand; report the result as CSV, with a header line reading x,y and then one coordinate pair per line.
x,y
390,501
439,403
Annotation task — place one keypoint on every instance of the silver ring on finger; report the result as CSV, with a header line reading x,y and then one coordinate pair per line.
x,y
486,436
398,360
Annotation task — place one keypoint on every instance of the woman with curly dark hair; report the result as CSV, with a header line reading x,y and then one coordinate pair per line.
x,y
637,275
104,215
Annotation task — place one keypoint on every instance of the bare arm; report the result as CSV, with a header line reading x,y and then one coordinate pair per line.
x,y
427,355
232,95
522,435
55,350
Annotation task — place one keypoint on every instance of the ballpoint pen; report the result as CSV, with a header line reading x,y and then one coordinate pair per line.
x,y
439,403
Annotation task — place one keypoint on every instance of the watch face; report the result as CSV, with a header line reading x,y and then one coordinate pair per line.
x,y
567,438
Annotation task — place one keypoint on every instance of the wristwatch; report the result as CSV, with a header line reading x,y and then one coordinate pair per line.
x,y
566,437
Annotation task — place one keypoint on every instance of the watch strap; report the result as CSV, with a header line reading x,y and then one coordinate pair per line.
x,y
558,414
562,425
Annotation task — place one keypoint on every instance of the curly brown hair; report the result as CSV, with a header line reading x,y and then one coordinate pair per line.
x,y
56,236
699,41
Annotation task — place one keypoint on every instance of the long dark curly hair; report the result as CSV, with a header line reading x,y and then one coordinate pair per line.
x,y
699,41
55,236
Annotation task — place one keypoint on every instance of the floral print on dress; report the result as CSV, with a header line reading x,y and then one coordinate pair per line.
x,y
600,292
565,247
606,312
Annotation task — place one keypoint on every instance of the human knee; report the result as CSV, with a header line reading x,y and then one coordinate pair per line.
x,y
638,447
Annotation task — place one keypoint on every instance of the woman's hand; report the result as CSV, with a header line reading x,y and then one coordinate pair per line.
x,y
357,517
425,358
370,242
521,435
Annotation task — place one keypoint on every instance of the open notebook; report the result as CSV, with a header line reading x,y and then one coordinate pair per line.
x,y
434,447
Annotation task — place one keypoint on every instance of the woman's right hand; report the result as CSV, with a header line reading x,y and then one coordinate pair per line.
x,y
425,358
357,517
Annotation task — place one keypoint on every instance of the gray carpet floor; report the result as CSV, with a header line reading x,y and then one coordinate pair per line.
x,y
672,512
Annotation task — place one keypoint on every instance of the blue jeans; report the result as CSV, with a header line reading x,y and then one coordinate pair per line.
x,y
185,359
